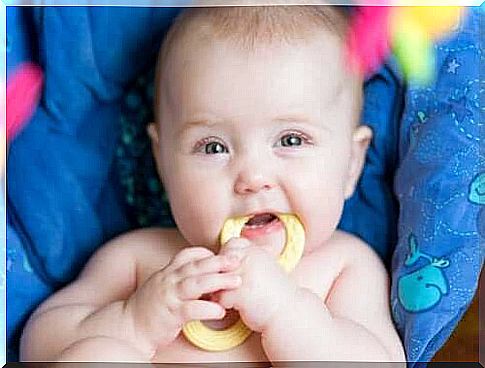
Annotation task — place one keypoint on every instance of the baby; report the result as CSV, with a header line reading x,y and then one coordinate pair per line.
x,y
256,115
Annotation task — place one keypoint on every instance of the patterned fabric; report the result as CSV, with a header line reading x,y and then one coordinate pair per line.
x,y
143,190
441,189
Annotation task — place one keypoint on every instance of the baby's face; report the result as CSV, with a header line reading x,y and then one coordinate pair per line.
x,y
268,131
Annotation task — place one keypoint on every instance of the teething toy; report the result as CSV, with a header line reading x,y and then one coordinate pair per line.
x,y
295,238
408,31
219,340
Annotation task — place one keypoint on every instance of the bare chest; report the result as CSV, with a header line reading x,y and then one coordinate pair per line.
x,y
250,353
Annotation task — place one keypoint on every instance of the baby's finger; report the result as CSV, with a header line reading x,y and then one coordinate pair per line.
x,y
227,299
236,247
209,265
201,310
194,287
190,254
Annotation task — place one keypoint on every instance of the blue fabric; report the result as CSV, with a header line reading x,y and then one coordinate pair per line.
x,y
21,45
63,196
371,213
441,189
25,289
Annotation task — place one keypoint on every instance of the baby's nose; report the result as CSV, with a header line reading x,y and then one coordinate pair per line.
x,y
249,182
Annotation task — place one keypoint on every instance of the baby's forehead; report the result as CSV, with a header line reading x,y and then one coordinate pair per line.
x,y
249,33
251,28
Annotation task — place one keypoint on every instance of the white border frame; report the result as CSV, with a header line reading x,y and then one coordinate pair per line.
x,y
142,3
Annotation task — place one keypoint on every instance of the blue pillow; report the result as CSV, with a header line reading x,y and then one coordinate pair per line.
x,y
440,185
63,196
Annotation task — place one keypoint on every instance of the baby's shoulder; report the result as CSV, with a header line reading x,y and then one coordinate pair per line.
x,y
342,253
346,267
149,240
145,247
346,250
355,246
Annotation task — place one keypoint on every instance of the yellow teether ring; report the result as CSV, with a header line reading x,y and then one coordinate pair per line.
x,y
219,340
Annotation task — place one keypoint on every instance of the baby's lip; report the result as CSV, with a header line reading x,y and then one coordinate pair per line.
x,y
273,212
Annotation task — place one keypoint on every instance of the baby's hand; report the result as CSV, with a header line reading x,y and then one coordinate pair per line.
x,y
265,285
170,297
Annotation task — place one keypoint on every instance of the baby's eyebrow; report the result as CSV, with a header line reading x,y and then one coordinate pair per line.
x,y
292,119
301,119
199,123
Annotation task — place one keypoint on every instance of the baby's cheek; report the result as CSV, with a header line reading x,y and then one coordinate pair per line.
x,y
199,215
320,231
321,215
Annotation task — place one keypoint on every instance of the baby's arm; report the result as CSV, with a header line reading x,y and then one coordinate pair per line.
x,y
133,297
92,307
353,324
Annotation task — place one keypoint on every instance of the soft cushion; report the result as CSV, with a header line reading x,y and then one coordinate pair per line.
x,y
440,185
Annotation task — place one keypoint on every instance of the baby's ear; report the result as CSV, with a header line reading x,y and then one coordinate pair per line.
x,y
361,139
153,133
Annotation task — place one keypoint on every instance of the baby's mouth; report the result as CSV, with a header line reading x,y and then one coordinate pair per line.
x,y
261,224
261,220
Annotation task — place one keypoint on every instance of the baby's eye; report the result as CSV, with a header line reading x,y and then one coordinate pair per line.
x,y
293,139
214,148
210,146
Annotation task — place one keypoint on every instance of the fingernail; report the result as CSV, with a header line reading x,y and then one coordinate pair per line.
x,y
223,313
233,258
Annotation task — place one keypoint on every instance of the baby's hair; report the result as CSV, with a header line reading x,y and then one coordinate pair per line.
x,y
250,27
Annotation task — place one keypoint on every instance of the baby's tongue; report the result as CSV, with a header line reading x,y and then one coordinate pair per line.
x,y
265,230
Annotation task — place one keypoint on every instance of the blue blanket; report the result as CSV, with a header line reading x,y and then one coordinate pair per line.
x,y
68,172
440,184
